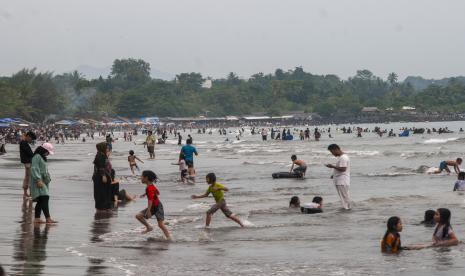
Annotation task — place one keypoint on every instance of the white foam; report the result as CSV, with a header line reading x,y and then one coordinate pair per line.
x,y
440,141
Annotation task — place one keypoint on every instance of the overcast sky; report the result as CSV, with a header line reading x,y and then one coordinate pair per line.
x,y
214,37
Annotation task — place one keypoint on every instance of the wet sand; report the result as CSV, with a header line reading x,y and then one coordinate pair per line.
x,y
387,179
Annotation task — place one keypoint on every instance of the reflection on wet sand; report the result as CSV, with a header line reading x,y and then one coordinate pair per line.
x,y
30,244
100,226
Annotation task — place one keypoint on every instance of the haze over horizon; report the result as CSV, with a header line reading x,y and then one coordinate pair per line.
x,y
420,38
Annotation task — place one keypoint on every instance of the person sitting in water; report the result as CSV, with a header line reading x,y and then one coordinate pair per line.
x,y
314,207
444,165
119,196
460,183
443,234
295,202
301,166
391,240
429,218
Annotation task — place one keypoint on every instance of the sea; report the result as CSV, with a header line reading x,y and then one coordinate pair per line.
x,y
388,178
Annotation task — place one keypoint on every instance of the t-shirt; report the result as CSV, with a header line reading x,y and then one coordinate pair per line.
x,y
440,231
342,178
218,194
25,152
459,185
188,152
152,195
392,244
150,140
311,205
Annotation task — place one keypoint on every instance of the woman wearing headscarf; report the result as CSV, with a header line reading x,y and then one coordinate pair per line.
x,y
39,182
102,178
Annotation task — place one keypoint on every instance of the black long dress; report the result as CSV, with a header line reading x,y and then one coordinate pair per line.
x,y
102,191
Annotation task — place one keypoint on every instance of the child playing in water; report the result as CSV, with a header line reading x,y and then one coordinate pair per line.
x,y
301,166
314,207
295,202
217,190
444,165
154,205
460,183
182,167
132,161
119,195
443,234
391,240
429,218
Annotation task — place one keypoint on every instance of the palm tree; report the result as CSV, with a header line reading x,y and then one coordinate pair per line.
x,y
392,78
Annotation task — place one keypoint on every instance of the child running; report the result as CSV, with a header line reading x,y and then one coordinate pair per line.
x,y
444,165
132,161
460,183
443,234
155,207
217,190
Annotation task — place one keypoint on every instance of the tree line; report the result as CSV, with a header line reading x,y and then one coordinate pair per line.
x,y
129,91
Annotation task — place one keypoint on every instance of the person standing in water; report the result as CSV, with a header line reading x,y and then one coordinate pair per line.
x,y
102,179
188,151
150,142
25,153
39,182
341,174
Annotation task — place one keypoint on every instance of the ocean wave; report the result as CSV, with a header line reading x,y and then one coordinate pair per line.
x,y
440,141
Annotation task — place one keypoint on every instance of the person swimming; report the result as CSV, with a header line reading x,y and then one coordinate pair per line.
x,y
314,207
429,218
295,202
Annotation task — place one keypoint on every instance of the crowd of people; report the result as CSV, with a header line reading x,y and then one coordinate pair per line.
x,y
107,192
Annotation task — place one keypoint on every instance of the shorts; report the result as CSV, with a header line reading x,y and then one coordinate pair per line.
x,y
183,173
151,149
220,205
443,165
156,211
300,170
190,163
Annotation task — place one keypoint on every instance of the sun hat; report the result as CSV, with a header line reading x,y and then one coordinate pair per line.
x,y
48,147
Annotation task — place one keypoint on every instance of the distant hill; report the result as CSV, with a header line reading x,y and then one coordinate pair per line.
x,y
91,72
420,83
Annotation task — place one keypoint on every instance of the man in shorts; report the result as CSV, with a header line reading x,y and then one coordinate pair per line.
x,y
188,151
25,153
150,142
217,190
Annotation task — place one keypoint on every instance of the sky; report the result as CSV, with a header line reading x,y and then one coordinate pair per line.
x,y
214,37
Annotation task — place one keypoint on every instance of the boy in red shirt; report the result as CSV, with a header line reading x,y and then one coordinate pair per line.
x,y
154,205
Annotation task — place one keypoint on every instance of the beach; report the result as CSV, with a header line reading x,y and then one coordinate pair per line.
x,y
388,179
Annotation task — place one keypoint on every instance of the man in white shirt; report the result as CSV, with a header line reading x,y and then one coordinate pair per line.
x,y
341,174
